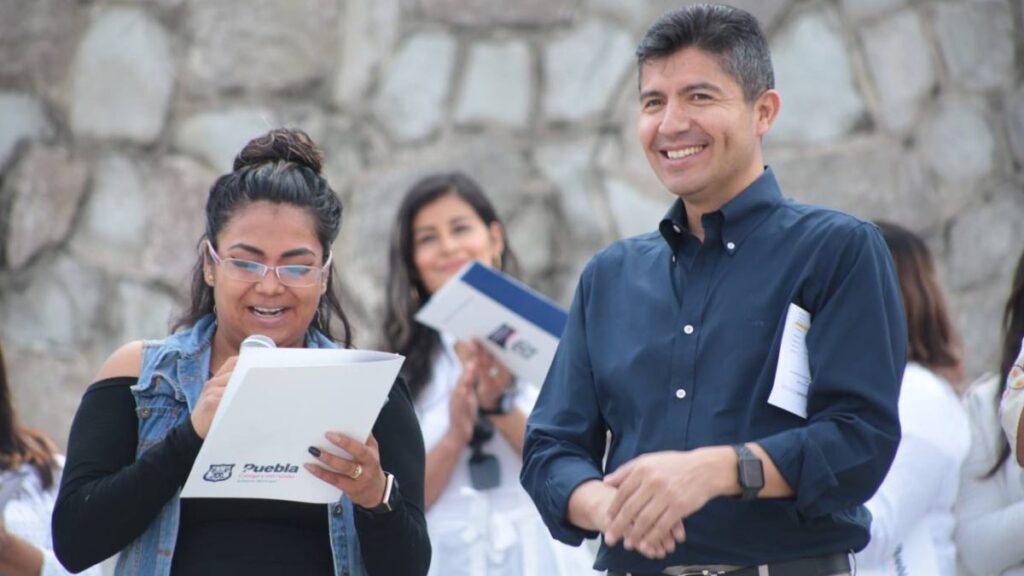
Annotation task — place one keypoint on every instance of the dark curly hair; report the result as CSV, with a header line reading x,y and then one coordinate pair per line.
x,y
283,167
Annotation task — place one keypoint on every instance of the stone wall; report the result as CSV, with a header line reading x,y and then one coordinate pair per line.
x,y
116,115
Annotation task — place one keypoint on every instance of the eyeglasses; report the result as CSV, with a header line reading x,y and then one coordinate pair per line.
x,y
484,468
294,275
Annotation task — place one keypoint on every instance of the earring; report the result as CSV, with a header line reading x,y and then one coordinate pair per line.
x,y
498,263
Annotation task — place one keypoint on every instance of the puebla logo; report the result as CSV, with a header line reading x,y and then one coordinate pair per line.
x,y
502,335
218,472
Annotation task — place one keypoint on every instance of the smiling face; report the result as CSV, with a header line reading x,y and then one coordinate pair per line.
x,y
446,234
699,134
271,234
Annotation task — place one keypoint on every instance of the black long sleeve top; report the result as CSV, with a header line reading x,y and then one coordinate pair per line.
x,y
108,497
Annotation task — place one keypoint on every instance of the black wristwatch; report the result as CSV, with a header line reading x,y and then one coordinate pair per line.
x,y
506,402
751,472
391,497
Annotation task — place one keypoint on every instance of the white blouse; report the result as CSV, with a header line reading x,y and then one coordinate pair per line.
x,y
912,512
487,532
1013,402
27,514
990,510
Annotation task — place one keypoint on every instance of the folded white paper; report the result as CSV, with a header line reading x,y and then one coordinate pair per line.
x,y
793,371
516,324
278,403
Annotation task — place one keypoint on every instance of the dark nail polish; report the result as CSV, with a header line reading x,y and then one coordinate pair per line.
x,y
314,451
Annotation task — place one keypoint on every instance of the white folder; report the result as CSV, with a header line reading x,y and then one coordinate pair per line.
x,y
278,403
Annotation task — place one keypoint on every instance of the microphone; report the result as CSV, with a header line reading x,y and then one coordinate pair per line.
x,y
258,341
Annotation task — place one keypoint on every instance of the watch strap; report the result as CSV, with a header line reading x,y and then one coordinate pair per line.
x,y
390,499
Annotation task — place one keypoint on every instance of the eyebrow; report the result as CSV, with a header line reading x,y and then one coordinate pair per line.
x,y
688,88
431,227
289,254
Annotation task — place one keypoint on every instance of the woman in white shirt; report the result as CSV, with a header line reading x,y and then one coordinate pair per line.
x,y
912,512
29,476
990,510
472,410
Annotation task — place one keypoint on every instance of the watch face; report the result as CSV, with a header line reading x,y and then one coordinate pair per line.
x,y
751,474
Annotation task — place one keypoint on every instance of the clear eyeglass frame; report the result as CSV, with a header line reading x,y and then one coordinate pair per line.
x,y
293,275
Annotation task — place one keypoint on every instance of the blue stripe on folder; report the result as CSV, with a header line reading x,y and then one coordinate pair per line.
x,y
518,298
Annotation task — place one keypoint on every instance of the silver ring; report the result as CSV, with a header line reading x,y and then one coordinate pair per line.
x,y
356,472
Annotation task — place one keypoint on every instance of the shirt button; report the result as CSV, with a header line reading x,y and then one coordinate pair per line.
x,y
688,329
673,259
677,228
145,412
338,509
730,246
680,393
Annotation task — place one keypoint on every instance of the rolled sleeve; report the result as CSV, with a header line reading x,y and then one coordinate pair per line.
x,y
857,350
565,434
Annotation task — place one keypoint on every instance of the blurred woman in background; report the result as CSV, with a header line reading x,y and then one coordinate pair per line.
x,y
471,408
29,474
990,510
912,512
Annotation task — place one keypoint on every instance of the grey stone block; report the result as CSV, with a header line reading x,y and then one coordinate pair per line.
x,y
977,43
368,30
900,63
260,45
1015,122
863,9
583,69
22,117
498,85
813,72
43,191
958,142
634,212
871,178
486,13
416,86
985,241
123,77
217,137
37,45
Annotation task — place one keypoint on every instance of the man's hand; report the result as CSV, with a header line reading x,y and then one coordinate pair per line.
x,y
588,505
657,491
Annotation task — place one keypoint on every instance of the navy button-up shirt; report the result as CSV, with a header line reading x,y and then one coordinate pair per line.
x,y
672,344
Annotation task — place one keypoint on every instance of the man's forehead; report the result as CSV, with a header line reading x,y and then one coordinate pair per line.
x,y
703,64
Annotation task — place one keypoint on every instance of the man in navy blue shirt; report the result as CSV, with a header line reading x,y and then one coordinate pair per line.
x,y
655,426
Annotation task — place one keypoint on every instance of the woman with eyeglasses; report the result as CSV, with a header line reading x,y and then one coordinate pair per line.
x,y
471,409
263,267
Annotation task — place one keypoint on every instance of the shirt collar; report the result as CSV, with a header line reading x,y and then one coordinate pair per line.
x,y
741,214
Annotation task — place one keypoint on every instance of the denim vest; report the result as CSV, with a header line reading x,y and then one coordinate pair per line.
x,y
173,373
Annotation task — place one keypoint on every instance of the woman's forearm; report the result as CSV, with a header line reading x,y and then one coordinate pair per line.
x,y
441,462
18,557
512,427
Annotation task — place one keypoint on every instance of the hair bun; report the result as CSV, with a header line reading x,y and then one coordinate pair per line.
x,y
281,145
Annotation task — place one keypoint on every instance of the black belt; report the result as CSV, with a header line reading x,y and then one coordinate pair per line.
x,y
829,565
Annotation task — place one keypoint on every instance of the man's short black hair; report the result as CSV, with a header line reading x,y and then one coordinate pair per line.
x,y
732,35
